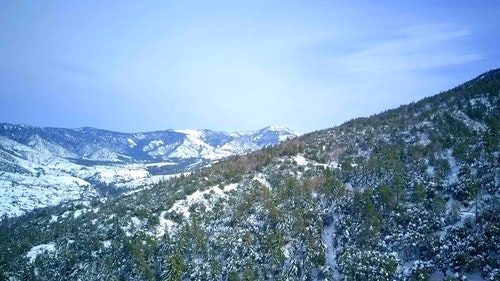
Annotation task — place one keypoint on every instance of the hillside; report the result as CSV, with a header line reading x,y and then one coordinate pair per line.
x,y
408,194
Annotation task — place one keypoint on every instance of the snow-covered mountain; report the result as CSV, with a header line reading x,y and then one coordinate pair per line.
x,y
106,146
46,166
412,193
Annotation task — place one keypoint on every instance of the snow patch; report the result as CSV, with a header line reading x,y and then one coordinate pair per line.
x,y
182,206
21,193
133,225
454,168
106,244
111,176
430,170
152,145
301,160
230,187
190,132
160,164
131,143
165,225
260,178
40,249
78,213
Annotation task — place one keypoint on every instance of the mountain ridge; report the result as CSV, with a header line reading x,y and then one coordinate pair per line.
x,y
124,143
101,161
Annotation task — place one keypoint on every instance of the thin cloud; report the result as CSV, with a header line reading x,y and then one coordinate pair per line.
x,y
410,49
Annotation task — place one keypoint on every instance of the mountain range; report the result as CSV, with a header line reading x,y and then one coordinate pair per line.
x,y
411,193
45,166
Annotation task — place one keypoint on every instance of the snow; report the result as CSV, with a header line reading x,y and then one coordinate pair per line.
x,y
278,128
134,191
260,178
193,147
131,143
464,213
182,206
454,168
230,187
482,100
430,170
301,161
133,225
332,164
153,144
106,244
80,212
40,249
239,146
165,225
160,164
438,275
50,181
327,237
23,193
424,139
110,176
42,175
473,124
283,138
348,186
191,132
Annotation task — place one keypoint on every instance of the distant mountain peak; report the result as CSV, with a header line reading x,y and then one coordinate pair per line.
x,y
279,128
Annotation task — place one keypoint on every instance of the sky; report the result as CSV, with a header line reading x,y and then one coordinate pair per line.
x,y
137,66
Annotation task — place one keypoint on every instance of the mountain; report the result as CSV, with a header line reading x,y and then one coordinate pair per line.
x,y
93,145
45,166
412,193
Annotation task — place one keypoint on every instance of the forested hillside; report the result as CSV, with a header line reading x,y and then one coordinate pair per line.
x,y
408,194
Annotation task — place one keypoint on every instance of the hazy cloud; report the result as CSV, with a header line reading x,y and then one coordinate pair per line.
x,y
410,48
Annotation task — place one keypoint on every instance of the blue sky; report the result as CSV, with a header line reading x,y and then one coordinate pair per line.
x,y
136,66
